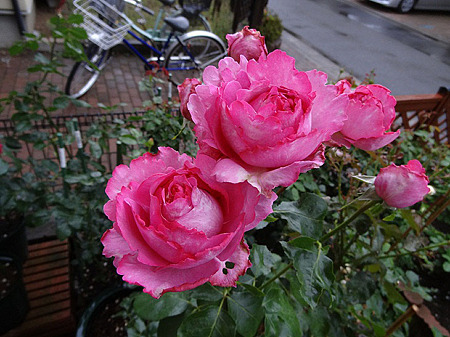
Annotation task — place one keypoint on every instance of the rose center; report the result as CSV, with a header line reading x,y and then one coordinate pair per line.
x,y
192,207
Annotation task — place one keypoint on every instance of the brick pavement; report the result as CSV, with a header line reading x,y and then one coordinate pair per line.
x,y
119,83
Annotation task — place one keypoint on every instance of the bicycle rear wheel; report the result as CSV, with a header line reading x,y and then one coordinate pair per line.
x,y
195,52
84,74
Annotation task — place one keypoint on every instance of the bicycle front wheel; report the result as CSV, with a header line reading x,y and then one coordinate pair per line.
x,y
84,74
189,58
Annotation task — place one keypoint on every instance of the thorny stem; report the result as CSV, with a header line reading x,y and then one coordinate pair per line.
x,y
436,245
338,228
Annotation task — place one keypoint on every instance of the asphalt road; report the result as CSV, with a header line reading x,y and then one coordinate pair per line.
x,y
359,40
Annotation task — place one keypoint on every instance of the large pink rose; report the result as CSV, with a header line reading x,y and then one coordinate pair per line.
x,y
185,90
175,227
248,43
264,121
370,112
402,186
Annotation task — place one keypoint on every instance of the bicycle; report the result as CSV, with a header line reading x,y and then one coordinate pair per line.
x,y
190,9
106,25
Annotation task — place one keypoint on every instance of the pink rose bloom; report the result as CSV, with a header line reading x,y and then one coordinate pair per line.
x,y
247,42
370,112
402,186
185,90
175,227
264,121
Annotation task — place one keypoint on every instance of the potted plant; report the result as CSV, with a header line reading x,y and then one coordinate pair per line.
x,y
22,199
13,296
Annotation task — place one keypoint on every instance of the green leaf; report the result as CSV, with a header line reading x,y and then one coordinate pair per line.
x,y
360,287
206,292
446,266
4,166
128,139
314,269
263,260
246,310
170,304
95,149
209,321
305,215
61,102
41,58
16,49
409,218
80,103
281,319
318,320
79,33
168,327
75,19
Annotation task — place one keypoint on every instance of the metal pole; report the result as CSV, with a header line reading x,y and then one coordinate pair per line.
x,y
18,16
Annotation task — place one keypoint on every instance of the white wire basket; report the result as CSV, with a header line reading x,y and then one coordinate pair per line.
x,y
103,22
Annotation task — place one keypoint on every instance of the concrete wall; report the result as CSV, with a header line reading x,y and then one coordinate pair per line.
x,y
9,28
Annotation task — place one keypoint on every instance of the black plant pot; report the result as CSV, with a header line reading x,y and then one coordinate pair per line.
x,y
13,295
101,313
13,238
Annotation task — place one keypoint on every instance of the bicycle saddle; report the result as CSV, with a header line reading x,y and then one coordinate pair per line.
x,y
178,23
167,2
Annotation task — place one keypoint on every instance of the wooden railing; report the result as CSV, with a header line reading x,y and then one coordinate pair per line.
x,y
416,111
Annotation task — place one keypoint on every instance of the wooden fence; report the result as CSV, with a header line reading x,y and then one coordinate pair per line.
x,y
416,111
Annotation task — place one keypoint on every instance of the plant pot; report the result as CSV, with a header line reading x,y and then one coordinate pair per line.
x,y
100,318
13,295
13,238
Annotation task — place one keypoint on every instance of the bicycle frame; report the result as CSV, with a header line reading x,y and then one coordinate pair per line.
x,y
159,60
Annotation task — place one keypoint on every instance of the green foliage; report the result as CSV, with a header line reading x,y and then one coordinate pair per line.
x,y
271,27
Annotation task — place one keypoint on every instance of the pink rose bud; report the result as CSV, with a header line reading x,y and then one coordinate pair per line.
x,y
370,113
185,90
402,186
247,42
175,227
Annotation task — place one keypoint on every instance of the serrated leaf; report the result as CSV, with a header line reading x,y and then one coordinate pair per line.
x,y
246,310
206,292
305,215
314,269
280,319
263,260
209,321
170,304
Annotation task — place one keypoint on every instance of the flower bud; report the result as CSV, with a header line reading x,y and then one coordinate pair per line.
x,y
402,186
247,42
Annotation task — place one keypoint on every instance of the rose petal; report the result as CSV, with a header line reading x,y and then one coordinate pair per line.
x,y
159,281
372,144
227,277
